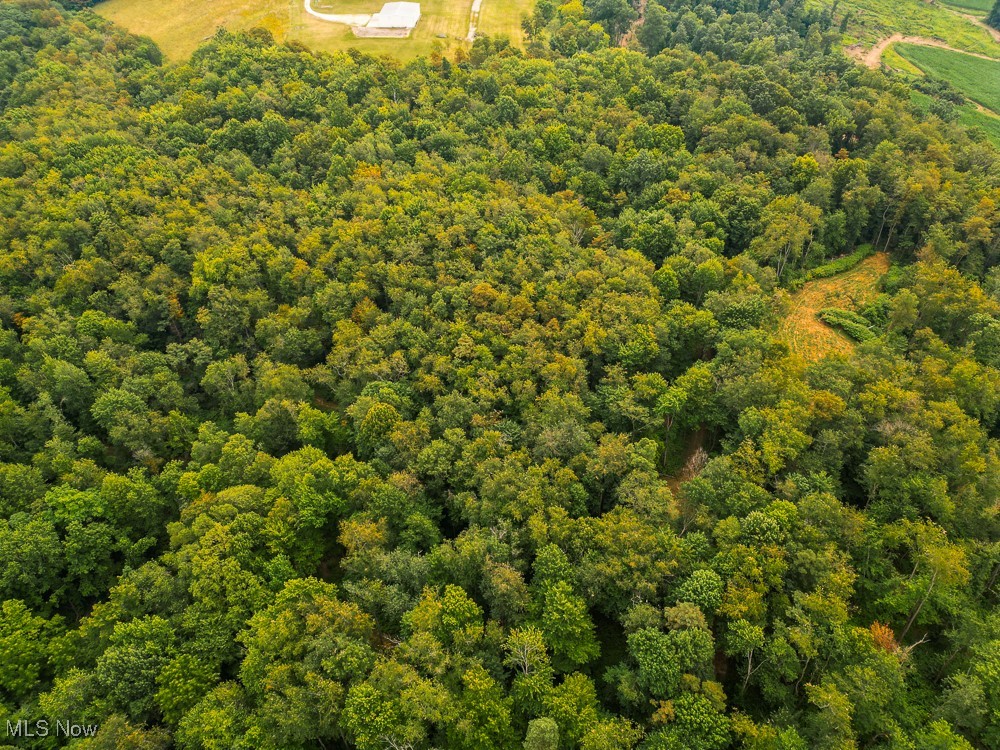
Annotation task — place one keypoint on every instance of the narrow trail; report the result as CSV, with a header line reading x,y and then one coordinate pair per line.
x,y
474,20
983,109
630,35
873,57
975,20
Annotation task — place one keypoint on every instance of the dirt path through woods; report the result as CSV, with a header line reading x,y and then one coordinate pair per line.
x,y
629,35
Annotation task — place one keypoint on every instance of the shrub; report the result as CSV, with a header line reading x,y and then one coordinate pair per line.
x,y
841,264
852,324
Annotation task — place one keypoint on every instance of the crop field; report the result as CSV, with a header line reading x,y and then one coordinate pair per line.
x,y
874,20
977,7
179,27
978,79
802,329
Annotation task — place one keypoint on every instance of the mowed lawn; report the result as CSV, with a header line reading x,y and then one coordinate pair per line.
x,y
502,18
978,79
801,328
179,27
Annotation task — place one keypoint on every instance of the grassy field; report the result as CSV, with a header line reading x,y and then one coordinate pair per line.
x,y
802,329
180,26
989,123
503,18
976,7
978,79
897,62
873,20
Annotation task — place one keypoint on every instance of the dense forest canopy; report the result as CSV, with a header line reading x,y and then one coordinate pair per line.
x,y
352,404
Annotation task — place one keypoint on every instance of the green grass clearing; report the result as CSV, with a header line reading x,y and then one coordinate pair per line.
x,y
179,27
988,123
897,62
874,20
976,78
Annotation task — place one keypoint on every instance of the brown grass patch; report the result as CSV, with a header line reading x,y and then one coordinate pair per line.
x,y
810,337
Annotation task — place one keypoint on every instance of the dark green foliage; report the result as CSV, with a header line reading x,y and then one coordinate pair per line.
x,y
839,265
854,325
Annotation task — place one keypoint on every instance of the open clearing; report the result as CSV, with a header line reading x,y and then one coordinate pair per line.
x,y
977,79
873,56
947,39
873,21
503,18
810,337
179,27
978,21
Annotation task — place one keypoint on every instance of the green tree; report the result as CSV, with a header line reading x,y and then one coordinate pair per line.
x,y
543,734
788,226
482,718
301,654
127,671
28,645
567,626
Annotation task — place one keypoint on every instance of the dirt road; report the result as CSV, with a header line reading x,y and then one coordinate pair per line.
x,y
873,57
474,20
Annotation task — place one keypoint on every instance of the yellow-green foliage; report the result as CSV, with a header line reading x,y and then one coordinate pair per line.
x,y
337,395
896,61
839,265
